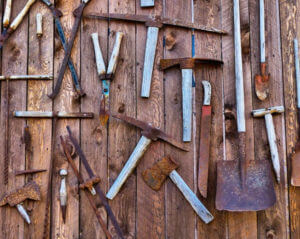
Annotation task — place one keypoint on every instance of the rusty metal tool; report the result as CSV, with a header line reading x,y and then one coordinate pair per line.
x,y
16,198
6,15
52,114
16,22
56,15
100,193
153,23
267,114
243,184
149,134
106,76
204,140
29,171
155,176
187,65
147,3
63,196
295,178
262,81
77,14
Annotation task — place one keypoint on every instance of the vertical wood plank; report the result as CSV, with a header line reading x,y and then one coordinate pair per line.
x,y
209,45
182,226
40,62
93,135
150,204
14,61
122,137
65,102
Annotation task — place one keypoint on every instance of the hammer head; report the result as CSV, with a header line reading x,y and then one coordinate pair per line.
x,y
157,174
187,62
30,191
271,110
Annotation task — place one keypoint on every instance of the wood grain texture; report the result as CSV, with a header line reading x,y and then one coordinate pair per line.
x,y
150,204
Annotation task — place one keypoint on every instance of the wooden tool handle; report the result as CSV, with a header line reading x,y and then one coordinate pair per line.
x,y
21,15
112,65
101,70
39,24
7,13
262,30
187,78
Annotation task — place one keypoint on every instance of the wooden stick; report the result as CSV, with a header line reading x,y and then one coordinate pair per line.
x,y
7,13
296,52
101,69
16,22
26,77
262,31
187,78
112,65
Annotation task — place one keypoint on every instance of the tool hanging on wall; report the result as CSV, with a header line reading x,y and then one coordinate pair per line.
x,y
56,15
77,14
6,15
154,23
262,81
92,176
39,25
204,140
63,196
295,178
106,76
7,96
243,184
147,3
267,113
16,22
187,65
16,198
155,176
51,114
149,134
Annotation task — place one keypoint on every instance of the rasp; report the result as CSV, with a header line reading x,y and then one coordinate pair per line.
x,y
77,14
204,140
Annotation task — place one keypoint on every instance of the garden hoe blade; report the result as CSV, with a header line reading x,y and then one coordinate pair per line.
x,y
242,184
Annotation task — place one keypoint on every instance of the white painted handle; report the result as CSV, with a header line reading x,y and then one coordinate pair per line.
x,y
151,43
101,70
63,188
187,78
239,88
262,30
147,3
296,52
273,145
7,13
21,15
130,165
190,196
207,92
39,24
23,213
112,65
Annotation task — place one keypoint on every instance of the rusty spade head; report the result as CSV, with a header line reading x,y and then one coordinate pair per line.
x,y
187,63
150,132
157,174
262,83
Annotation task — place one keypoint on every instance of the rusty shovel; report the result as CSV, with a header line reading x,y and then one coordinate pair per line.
x,y
242,184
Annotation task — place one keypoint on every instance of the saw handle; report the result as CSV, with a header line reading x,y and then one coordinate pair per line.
x,y
16,22
112,65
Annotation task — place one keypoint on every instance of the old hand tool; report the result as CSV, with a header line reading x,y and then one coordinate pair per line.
x,y
15,199
295,178
204,140
56,15
100,193
262,81
51,114
187,65
106,75
267,113
6,15
77,14
154,23
63,193
29,171
16,22
156,176
147,3
243,184
149,134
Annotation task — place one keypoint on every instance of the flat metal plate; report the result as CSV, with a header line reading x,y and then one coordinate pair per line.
x,y
258,192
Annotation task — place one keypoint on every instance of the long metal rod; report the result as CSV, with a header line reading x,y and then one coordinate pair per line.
x,y
97,187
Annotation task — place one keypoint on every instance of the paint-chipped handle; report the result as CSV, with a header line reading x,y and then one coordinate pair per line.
x,y
191,197
23,213
151,43
112,65
7,13
101,70
273,145
147,3
187,78
63,188
39,24
130,165
262,30
21,15
296,52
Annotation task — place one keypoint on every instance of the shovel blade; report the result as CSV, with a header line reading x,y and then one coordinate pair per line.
x,y
262,86
258,191
295,180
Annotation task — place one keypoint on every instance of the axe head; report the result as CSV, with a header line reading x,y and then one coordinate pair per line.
x,y
157,174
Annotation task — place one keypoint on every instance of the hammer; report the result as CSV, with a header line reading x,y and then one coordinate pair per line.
x,y
155,176
267,113
15,198
187,65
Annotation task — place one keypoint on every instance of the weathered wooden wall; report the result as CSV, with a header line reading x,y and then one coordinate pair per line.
x,y
141,212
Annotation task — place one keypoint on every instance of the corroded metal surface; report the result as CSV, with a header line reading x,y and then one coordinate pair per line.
x,y
262,83
90,183
187,63
29,171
